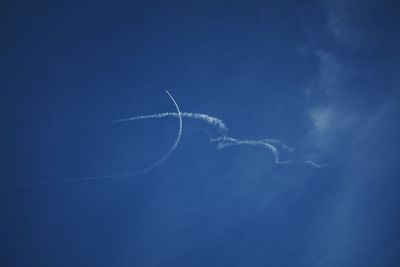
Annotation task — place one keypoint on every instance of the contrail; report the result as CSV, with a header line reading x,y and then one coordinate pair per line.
x,y
222,141
172,149
127,175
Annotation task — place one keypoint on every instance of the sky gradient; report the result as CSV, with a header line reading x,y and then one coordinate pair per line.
x,y
317,81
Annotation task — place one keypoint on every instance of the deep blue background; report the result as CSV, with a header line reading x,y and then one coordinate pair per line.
x,y
322,76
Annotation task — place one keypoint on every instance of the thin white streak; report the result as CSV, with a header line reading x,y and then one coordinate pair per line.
x,y
115,176
174,146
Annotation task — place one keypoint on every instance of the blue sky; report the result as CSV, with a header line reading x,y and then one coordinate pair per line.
x,y
319,76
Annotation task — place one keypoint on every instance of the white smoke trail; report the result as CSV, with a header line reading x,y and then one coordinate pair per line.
x,y
126,175
198,116
224,141
269,144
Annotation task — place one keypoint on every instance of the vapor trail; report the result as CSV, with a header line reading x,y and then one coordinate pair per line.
x,y
174,146
222,141
126,175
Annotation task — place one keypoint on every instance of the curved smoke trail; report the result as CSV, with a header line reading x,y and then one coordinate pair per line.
x,y
127,175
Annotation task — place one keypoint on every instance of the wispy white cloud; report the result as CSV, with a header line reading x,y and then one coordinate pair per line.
x,y
329,117
341,24
328,123
323,119
330,78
